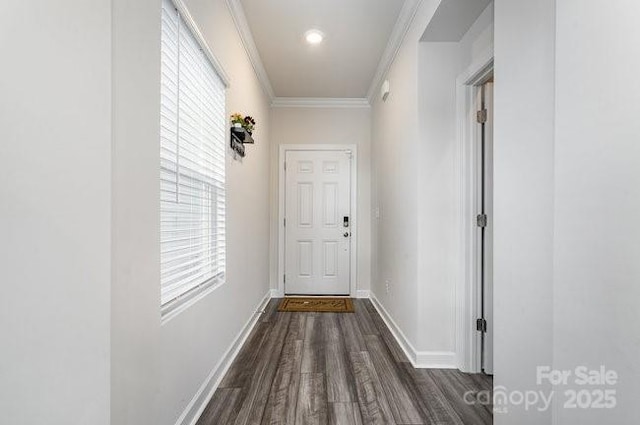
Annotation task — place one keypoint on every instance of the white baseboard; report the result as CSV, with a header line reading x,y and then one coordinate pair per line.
x,y
276,293
362,293
435,360
200,400
419,359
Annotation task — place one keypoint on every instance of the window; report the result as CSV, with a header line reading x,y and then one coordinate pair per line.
x,y
192,163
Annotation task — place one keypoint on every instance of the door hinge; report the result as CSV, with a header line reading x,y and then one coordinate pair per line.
x,y
481,220
285,222
285,165
284,278
481,325
481,116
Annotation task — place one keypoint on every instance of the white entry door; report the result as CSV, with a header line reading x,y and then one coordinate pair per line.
x,y
318,222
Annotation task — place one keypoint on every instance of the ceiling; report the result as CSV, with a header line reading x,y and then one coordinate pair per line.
x,y
343,65
453,19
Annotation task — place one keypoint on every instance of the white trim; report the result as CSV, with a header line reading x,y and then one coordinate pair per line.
x,y
479,69
354,207
240,20
276,293
397,333
196,406
363,293
319,102
191,23
403,23
435,360
418,359
400,29
468,344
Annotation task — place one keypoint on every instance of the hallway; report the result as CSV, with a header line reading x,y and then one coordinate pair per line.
x,y
466,171
342,369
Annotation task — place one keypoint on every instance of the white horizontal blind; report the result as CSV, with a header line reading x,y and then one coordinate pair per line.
x,y
192,163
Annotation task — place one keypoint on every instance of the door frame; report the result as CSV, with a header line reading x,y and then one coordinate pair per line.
x,y
468,339
353,260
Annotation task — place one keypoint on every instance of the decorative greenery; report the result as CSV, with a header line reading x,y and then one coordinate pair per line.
x,y
248,123
237,118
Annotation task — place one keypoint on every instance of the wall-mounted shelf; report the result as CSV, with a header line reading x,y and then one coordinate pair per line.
x,y
239,138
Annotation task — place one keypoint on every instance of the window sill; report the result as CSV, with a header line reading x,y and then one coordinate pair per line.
x,y
174,307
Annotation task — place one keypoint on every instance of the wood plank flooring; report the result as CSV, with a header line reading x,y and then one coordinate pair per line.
x,y
337,369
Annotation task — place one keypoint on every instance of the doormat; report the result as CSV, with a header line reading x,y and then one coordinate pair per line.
x,y
320,305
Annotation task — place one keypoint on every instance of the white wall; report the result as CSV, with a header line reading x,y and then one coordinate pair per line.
x,y
523,191
55,159
436,192
395,136
440,64
135,326
523,197
565,215
158,368
597,205
566,287
414,157
326,126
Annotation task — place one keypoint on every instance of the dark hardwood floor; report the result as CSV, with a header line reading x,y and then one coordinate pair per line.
x,y
338,369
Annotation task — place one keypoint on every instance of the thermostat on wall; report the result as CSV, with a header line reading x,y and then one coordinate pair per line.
x,y
384,91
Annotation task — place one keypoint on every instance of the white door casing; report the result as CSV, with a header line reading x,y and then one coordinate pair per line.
x,y
317,193
468,286
488,239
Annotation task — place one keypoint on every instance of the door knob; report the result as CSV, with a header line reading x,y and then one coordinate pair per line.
x,y
346,234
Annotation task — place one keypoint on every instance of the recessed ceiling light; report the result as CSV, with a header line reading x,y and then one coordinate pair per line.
x,y
314,36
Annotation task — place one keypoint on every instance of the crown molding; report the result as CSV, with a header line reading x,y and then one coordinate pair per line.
x,y
320,102
240,20
407,13
398,34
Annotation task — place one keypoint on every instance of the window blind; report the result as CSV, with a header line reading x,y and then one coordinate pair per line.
x,y
192,163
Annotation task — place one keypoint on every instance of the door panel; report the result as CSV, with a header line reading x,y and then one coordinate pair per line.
x,y
330,203
317,244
